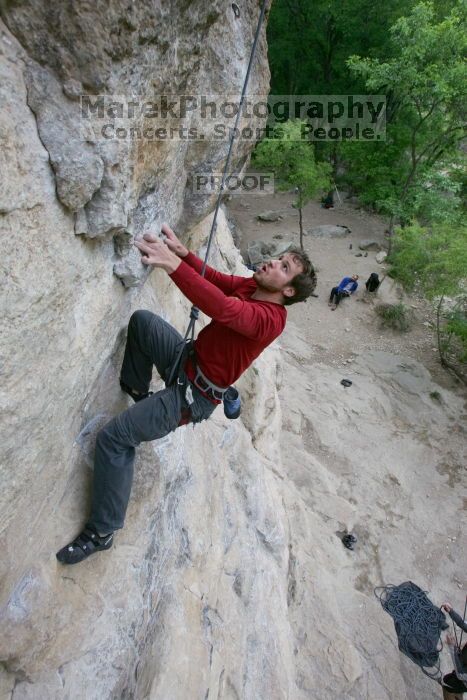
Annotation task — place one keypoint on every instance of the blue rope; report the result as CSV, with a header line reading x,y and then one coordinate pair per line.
x,y
418,624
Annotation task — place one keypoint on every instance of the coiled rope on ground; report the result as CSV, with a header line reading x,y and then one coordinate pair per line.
x,y
418,624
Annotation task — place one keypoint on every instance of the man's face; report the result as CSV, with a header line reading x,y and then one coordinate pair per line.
x,y
355,278
276,275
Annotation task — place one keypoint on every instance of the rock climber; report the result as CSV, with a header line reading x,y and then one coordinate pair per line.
x,y
455,683
247,315
346,287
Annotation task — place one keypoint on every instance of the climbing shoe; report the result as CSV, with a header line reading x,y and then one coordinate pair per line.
x,y
232,403
349,540
84,545
136,397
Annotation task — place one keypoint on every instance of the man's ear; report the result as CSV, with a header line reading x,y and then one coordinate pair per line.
x,y
289,292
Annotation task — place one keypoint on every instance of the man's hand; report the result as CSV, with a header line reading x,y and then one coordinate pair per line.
x,y
173,243
447,607
155,252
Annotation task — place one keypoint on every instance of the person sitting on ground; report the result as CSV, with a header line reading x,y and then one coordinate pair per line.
x,y
372,282
247,315
328,201
455,683
346,287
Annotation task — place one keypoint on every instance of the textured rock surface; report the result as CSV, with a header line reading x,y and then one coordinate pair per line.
x,y
270,216
369,458
258,251
381,257
132,53
228,580
368,244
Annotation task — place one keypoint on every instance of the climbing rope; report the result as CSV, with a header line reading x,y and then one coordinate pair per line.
x,y
194,313
418,624
459,641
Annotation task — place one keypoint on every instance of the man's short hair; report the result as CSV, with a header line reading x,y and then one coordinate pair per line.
x,y
305,282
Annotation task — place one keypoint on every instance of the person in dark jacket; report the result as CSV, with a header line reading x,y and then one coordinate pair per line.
x,y
346,287
328,201
455,683
372,282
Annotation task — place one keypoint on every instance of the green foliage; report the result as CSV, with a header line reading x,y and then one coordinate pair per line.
x,y
291,157
433,260
375,171
395,316
437,198
455,331
425,81
311,40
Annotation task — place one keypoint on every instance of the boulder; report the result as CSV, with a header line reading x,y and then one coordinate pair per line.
x,y
328,230
258,251
254,253
369,244
270,216
381,256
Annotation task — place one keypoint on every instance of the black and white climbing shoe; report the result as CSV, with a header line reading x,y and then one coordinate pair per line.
x,y
136,397
349,540
88,542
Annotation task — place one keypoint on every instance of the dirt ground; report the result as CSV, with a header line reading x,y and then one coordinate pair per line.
x,y
384,459
354,327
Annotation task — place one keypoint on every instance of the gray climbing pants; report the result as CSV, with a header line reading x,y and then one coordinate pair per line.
x,y
150,341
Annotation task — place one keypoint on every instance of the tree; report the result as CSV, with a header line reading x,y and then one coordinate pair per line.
x,y
435,262
290,156
311,40
427,83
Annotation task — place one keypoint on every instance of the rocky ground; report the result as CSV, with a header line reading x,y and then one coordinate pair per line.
x,y
384,457
354,328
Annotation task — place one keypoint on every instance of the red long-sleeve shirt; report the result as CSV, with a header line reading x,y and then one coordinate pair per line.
x,y
241,327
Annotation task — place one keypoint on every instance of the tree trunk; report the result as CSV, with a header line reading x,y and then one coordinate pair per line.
x,y
391,233
438,331
300,221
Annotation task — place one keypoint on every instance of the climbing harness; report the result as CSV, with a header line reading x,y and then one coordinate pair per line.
x,y
186,348
418,624
205,385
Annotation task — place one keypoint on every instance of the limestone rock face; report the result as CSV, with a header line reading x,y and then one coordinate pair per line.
x,y
84,62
